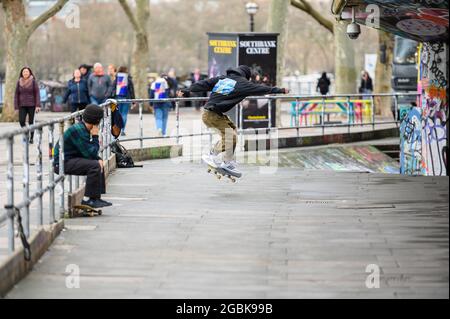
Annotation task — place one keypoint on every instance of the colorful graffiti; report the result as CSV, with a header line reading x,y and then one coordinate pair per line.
x,y
424,140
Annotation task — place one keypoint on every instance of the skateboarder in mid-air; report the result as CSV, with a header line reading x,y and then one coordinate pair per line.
x,y
226,92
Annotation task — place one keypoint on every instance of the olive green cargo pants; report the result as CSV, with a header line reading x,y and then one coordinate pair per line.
x,y
227,130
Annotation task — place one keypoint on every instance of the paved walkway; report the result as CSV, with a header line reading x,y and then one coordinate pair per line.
x,y
177,232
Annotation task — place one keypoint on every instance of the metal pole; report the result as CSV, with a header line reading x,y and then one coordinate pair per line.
x,y
349,113
51,173
10,195
322,117
141,126
297,124
241,125
61,168
39,177
270,116
26,183
177,112
252,23
373,111
396,115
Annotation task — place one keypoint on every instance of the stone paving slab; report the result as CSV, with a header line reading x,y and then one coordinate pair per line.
x,y
177,232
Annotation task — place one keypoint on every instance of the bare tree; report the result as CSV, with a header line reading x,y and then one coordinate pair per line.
x,y
141,53
18,30
345,72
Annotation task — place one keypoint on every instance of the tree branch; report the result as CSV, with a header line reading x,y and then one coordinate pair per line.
x,y
129,13
46,15
306,7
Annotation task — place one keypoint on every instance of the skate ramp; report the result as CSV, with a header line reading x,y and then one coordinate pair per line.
x,y
355,158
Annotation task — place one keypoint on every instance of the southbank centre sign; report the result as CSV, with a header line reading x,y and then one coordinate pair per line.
x,y
259,52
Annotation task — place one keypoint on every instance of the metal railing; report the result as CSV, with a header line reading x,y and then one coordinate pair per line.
x,y
21,210
12,208
272,99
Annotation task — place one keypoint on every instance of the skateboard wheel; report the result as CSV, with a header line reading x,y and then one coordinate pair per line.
x,y
218,176
209,170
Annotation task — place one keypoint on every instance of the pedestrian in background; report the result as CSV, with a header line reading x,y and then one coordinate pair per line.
x,y
323,84
99,85
123,89
85,70
27,98
195,77
112,71
366,86
77,94
160,90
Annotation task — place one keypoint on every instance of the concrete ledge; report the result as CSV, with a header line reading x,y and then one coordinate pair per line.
x,y
341,138
157,152
16,267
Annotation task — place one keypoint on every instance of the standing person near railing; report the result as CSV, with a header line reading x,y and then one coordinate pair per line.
x,y
226,92
81,147
27,98
123,88
366,86
77,93
160,90
100,85
323,84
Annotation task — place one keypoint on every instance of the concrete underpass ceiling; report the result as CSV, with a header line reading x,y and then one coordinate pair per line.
x,y
424,21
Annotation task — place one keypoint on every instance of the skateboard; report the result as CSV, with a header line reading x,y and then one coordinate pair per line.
x,y
85,211
219,173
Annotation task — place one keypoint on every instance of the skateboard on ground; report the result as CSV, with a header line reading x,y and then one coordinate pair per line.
x,y
85,211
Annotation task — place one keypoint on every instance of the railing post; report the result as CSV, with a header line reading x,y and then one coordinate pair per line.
x,y
396,115
10,191
350,112
322,116
61,168
241,126
372,102
141,127
51,173
26,183
177,114
297,122
39,177
270,117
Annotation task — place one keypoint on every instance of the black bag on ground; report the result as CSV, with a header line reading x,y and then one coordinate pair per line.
x,y
123,158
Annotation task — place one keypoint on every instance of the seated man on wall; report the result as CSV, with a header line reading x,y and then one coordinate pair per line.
x,y
81,147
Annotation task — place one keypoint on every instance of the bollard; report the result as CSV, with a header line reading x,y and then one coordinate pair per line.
x,y
26,183
39,177
10,191
51,174
61,168
322,119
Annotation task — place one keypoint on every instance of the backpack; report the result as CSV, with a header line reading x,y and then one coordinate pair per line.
x,y
123,158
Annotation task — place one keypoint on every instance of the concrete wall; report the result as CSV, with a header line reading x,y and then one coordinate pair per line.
x,y
424,131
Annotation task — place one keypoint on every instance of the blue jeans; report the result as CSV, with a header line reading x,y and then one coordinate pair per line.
x,y
97,101
161,116
124,108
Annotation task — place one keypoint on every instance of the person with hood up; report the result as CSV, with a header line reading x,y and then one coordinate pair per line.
x,y
226,92
323,84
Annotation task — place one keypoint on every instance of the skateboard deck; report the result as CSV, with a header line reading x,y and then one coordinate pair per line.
x,y
85,211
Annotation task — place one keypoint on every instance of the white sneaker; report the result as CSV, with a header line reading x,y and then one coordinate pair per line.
x,y
211,159
231,167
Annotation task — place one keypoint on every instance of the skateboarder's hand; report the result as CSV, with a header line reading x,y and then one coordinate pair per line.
x,y
101,164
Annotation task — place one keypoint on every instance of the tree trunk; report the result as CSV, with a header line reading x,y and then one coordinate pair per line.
x,y
345,71
278,23
16,37
17,33
383,74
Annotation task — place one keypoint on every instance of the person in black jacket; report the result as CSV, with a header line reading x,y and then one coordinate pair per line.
x,y
323,84
226,91
77,93
366,86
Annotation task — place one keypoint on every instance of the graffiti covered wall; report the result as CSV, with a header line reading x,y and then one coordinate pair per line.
x,y
424,130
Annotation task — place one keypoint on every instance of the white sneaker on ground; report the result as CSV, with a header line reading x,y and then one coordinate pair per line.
x,y
231,167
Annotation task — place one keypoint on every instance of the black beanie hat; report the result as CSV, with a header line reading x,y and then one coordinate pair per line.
x,y
92,114
247,71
